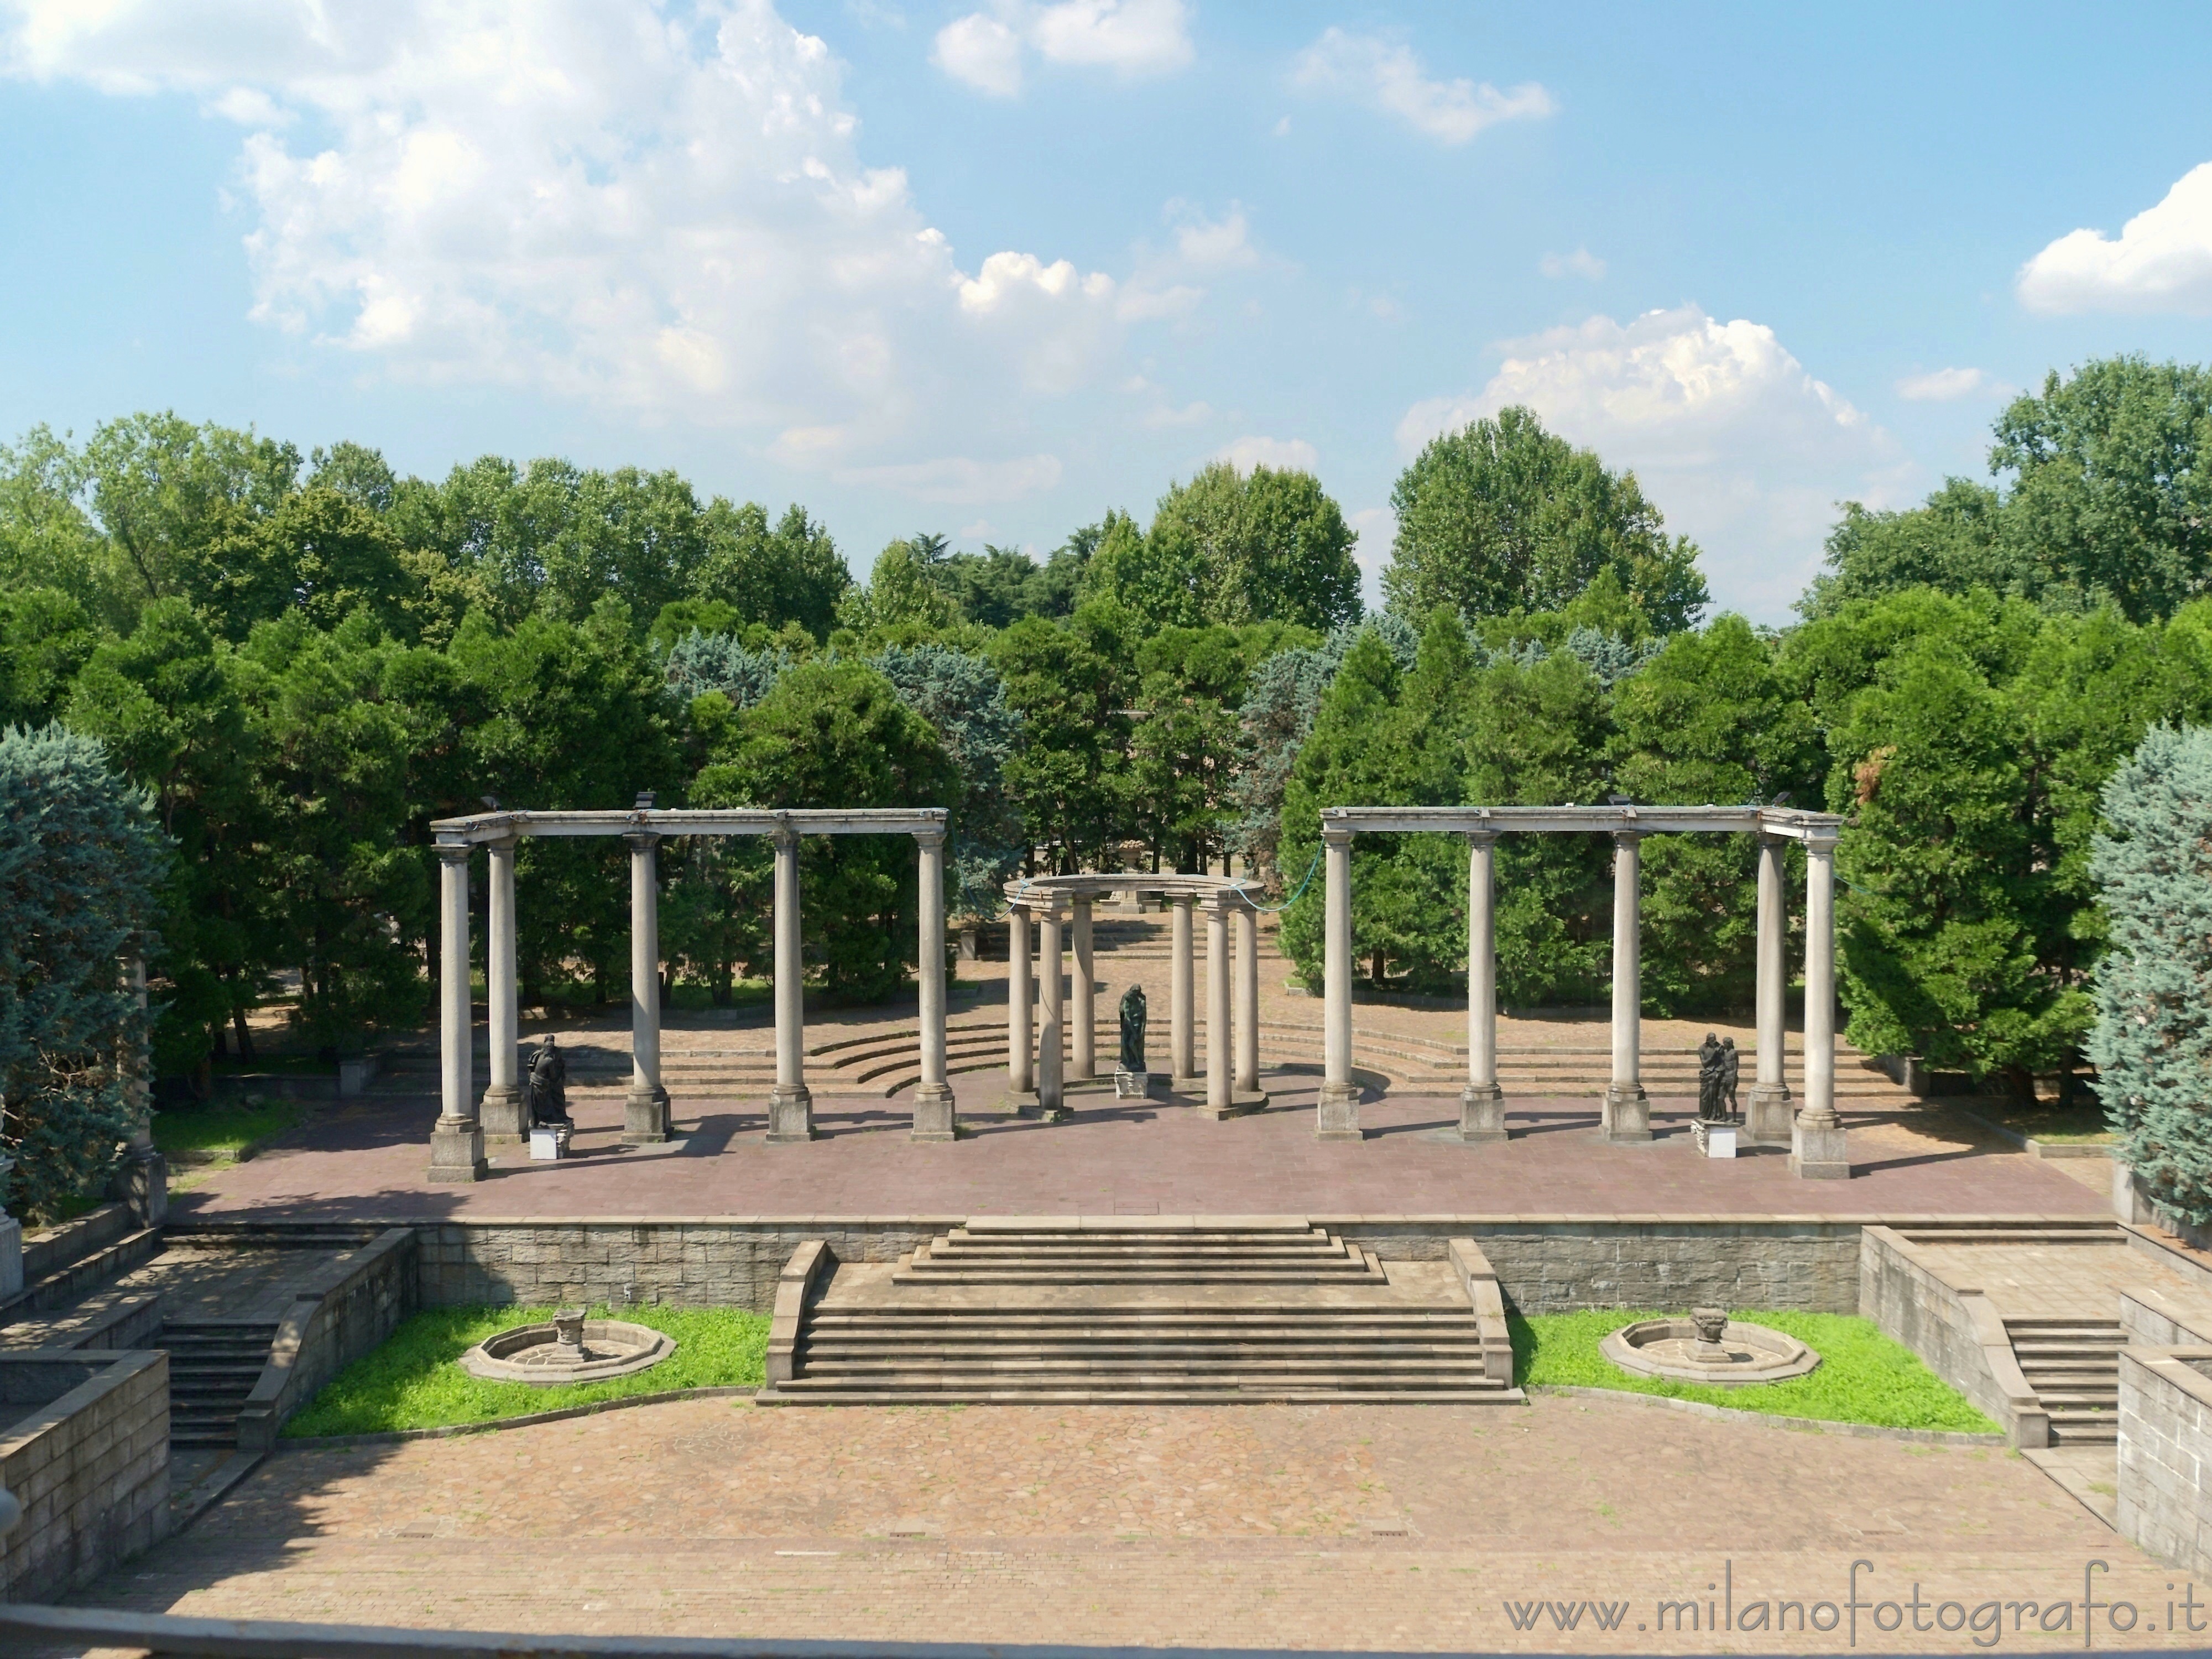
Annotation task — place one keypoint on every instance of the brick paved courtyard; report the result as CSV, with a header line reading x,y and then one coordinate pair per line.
x,y
1373,1527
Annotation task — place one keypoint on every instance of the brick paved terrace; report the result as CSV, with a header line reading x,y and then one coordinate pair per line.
x,y
1380,1527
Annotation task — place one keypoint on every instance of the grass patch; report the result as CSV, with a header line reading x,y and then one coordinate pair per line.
x,y
414,1381
222,1129
1863,1377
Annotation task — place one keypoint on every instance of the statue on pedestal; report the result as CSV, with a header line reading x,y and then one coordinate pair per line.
x,y
546,1093
1731,1065
1709,1080
1130,1078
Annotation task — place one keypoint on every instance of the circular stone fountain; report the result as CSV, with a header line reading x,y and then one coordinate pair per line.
x,y
569,1348
1708,1347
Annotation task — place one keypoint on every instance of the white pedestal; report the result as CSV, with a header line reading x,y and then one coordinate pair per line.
x,y
1132,1085
1714,1139
549,1145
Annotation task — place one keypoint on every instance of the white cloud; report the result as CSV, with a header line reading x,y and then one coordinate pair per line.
x,y
982,51
608,202
1581,263
1943,386
1388,75
1214,244
957,480
1283,454
1188,415
2162,261
1130,37
1733,439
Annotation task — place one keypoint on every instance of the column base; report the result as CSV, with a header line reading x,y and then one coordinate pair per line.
x,y
141,1182
501,1113
1817,1151
1019,1103
791,1117
934,1118
457,1153
1193,1084
645,1117
1243,1102
1481,1114
1336,1118
1771,1116
1624,1118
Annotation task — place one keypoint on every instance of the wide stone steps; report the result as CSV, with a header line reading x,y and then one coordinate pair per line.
x,y
1262,1308
2073,1365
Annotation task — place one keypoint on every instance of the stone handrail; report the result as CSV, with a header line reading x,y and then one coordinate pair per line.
x,y
1955,1328
315,1340
811,1263
1479,1281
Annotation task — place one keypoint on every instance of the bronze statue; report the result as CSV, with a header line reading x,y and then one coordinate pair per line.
x,y
1709,1080
1731,1064
1132,1030
547,1091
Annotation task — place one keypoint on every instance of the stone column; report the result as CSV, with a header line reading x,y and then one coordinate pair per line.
x,y
457,1151
1481,1103
645,1109
1182,1010
142,1179
1021,995
933,1096
1217,1034
1766,1120
1626,1116
790,1107
1247,1002
1084,1035
1817,1149
1337,1117
1052,1091
501,1109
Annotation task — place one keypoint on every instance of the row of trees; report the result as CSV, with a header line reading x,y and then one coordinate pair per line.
x,y
306,660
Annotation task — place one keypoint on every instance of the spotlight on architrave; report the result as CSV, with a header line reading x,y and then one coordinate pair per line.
x,y
1782,799
645,800
1619,800
492,801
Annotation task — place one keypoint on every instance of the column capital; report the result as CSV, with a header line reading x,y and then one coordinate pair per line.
x,y
1337,834
785,834
934,835
1481,837
1824,846
1627,837
641,840
454,852
502,843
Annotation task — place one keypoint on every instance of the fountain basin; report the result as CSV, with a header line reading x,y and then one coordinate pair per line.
x,y
567,1348
1678,1350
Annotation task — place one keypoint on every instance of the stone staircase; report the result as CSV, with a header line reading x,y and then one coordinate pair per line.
x,y
2074,1367
213,1366
1045,1313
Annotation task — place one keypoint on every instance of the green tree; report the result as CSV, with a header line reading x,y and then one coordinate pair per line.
x,y
2153,1040
1068,773
166,491
1183,751
320,554
1504,516
836,734
80,860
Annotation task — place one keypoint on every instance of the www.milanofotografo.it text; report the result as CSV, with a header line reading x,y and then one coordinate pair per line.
x,y
1985,1622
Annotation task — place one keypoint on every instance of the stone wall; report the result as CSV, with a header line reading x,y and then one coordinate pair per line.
x,y
2152,1319
2165,1454
1555,1264
51,1249
89,1463
334,1321
1955,1331
710,1262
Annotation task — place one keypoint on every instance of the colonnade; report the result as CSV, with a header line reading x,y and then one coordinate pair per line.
x,y
1046,1049
1813,1133
464,1120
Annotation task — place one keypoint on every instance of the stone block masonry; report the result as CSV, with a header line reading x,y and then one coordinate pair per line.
x,y
2165,1454
87,1455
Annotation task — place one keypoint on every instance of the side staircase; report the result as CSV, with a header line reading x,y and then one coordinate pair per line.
x,y
1047,1313
2074,1367
213,1366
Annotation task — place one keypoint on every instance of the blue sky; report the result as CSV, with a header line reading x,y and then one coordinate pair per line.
x,y
990,267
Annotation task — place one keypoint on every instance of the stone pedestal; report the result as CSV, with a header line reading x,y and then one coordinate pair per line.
x,y
1768,1120
1817,1152
1481,1115
141,1182
1132,1085
501,1112
1337,1116
646,1120
1713,1139
790,1115
1624,1116
932,1112
457,1151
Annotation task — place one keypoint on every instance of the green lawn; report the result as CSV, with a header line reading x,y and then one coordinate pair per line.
x,y
1863,1377
414,1381
223,1128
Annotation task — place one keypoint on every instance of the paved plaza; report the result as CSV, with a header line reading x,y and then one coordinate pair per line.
x,y
1347,1526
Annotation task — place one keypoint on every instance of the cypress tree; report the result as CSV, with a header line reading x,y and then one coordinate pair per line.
x,y
2153,1040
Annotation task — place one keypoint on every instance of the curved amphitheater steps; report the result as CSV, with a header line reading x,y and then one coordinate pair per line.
x,y
1044,1312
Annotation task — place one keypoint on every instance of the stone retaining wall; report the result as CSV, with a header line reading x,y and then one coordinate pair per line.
x,y
90,1464
1956,1331
334,1321
2165,1454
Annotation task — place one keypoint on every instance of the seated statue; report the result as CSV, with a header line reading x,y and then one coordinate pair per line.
x,y
546,1092
1132,1030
